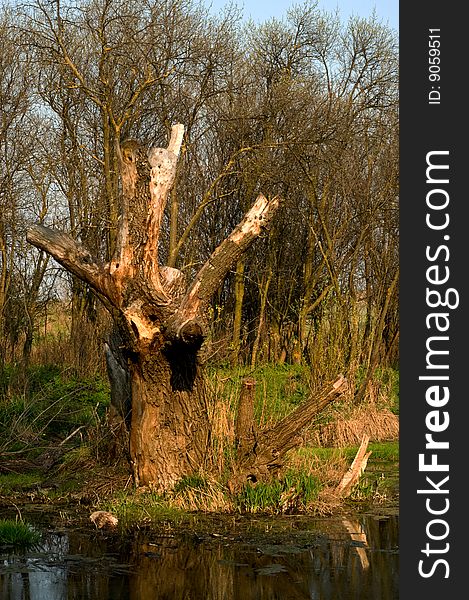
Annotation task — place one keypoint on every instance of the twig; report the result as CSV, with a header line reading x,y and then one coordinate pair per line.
x,y
69,437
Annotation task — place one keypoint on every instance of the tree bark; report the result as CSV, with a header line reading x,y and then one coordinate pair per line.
x,y
238,311
159,319
245,427
170,428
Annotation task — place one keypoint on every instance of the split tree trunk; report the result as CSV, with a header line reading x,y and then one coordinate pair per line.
x,y
159,319
262,453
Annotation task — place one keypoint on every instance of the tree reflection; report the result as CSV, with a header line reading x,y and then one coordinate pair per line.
x,y
353,558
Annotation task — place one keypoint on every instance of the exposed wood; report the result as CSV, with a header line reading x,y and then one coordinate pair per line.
x,y
175,142
127,154
351,477
163,163
174,283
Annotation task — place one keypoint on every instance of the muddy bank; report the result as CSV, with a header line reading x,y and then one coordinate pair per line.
x,y
350,554
160,553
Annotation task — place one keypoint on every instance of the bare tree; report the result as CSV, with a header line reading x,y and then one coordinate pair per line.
x,y
161,321
21,273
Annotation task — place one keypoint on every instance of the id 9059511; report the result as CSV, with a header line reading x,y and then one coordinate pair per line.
x,y
434,60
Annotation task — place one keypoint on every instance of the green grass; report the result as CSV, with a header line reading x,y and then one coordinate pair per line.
x,y
138,510
381,451
51,405
261,497
18,534
16,482
292,493
282,388
296,490
390,378
279,388
193,482
384,451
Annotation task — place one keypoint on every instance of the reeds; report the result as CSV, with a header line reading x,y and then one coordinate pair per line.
x,y
379,424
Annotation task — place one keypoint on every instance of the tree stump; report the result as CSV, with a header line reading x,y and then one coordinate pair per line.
x,y
245,426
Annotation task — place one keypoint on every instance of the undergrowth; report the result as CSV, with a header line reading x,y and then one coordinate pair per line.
x,y
44,405
41,408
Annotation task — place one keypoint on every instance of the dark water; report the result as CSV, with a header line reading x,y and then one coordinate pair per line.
x,y
320,559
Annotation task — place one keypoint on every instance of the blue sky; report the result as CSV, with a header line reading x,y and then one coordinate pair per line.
x,y
386,10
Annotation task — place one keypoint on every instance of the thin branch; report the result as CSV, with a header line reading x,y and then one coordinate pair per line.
x,y
206,200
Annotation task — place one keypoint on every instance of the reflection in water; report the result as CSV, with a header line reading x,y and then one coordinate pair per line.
x,y
329,560
357,534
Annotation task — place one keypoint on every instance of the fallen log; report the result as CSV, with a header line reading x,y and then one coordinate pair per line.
x,y
351,477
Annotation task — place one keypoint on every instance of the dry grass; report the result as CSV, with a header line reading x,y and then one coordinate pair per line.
x,y
223,430
379,423
209,497
328,469
58,342
347,423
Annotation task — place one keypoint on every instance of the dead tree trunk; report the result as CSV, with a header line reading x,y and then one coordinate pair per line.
x,y
160,320
245,428
263,453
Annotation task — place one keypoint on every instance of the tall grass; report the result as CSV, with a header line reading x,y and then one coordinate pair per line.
x,y
344,423
48,409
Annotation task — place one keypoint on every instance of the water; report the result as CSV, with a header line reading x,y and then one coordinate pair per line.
x,y
320,559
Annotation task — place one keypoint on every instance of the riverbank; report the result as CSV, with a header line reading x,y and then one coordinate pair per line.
x,y
71,494
346,548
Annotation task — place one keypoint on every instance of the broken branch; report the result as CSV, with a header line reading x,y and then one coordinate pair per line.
x,y
76,259
163,164
351,477
267,452
213,272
